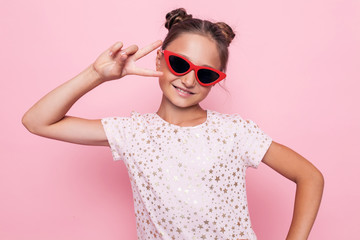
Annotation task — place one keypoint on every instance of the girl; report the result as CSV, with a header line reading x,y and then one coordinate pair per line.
x,y
186,164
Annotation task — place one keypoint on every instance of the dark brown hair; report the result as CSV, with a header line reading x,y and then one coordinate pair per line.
x,y
178,22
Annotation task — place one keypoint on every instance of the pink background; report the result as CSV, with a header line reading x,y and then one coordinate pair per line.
x,y
293,69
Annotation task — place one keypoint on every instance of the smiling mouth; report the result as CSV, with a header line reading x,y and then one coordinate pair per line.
x,y
182,90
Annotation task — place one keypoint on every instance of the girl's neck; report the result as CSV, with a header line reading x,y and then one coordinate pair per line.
x,y
188,116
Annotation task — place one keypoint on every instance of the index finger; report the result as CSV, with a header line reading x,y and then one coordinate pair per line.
x,y
146,50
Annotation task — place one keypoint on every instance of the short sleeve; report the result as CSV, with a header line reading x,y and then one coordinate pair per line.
x,y
256,143
116,130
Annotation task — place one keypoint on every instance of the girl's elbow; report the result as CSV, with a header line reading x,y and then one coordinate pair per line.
x,y
320,179
316,178
29,124
25,122
310,175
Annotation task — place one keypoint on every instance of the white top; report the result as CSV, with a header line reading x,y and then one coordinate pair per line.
x,y
188,182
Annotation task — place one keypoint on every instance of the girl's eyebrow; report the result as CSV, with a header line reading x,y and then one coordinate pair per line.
x,y
205,65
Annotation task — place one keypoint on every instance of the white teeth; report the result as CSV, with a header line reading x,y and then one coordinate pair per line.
x,y
183,90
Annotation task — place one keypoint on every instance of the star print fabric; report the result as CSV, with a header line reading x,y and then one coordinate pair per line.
x,y
188,182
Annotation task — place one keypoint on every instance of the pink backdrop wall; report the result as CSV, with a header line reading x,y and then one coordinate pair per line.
x,y
294,70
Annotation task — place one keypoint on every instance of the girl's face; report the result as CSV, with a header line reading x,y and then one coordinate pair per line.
x,y
184,91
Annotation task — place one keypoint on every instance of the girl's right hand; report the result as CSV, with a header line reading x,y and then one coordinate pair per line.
x,y
116,62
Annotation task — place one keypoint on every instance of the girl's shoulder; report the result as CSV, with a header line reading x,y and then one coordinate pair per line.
x,y
232,117
232,120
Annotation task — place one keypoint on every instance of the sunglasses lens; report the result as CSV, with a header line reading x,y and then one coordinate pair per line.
x,y
178,65
207,76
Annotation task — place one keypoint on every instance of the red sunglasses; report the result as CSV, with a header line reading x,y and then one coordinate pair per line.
x,y
179,66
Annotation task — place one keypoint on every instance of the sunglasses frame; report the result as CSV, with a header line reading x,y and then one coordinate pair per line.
x,y
194,67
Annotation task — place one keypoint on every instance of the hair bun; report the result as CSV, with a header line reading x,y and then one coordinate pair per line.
x,y
176,16
227,31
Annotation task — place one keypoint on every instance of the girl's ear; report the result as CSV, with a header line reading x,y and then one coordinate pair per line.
x,y
158,57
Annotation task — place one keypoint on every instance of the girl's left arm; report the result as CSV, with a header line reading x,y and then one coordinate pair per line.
x,y
309,187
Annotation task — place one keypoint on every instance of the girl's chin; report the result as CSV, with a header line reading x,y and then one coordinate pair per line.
x,y
180,104
185,105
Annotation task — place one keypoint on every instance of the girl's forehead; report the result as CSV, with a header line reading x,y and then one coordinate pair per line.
x,y
200,50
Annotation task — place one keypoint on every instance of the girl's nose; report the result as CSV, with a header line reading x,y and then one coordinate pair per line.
x,y
189,79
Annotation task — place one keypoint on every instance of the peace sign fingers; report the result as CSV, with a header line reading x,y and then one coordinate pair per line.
x,y
130,67
146,50
117,62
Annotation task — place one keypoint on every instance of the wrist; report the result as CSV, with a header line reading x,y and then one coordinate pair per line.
x,y
94,75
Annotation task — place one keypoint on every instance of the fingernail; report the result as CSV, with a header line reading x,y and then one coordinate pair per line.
x,y
122,53
110,53
123,57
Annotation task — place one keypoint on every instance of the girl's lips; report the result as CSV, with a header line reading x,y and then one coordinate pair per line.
x,y
181,90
